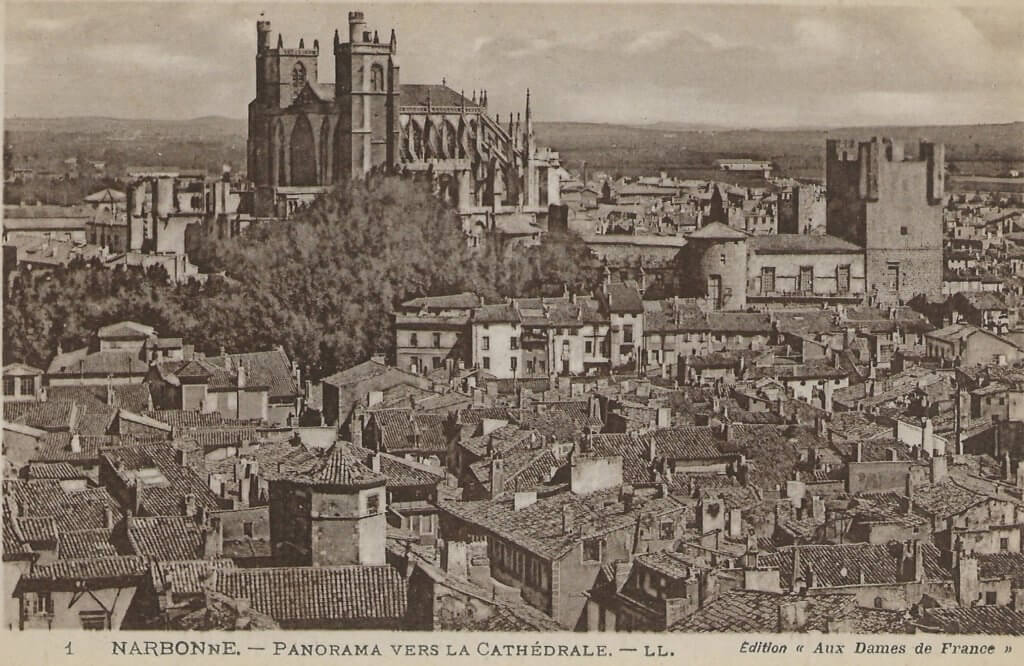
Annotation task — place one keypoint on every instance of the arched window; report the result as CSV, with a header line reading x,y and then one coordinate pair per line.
x,y
298,76
377,78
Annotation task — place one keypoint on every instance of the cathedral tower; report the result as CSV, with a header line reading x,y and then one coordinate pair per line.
x,y
366,93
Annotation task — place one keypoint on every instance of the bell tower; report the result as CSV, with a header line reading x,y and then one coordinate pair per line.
x,y
366,93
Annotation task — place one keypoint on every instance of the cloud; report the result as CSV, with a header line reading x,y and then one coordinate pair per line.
x,y
146,56
480,42
532,47
649,41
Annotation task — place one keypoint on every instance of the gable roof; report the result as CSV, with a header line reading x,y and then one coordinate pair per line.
x,y
292,594
718,231
417,94
802,244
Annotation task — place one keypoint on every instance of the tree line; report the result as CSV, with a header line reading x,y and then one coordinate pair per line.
x,y
321,285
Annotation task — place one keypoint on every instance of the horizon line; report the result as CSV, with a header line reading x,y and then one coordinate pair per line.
x,y
647,125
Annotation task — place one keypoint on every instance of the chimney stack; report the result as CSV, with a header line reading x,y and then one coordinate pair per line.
x,y
213,540
567,519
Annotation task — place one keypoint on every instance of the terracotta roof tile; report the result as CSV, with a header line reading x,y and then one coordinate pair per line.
x,y
993,620
85,544
405,430
538,527
291,594
166,537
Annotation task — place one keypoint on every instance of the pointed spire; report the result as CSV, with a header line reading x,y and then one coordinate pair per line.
x,y
394,42
376,39
527,102
280,41
302,43
316,44
444,81
462,99
337,38
474,95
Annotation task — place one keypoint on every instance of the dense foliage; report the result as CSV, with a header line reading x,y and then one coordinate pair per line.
x,y
322,285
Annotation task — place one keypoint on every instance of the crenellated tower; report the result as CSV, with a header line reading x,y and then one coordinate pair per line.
x,y
366,92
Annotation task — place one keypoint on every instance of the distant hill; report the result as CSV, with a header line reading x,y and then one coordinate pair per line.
x,y
682,149
687,151
101,125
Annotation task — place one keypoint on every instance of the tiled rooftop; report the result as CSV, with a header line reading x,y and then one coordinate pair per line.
x,y
993,620
841,565
85,544
289,594
166,537
406,430
538,527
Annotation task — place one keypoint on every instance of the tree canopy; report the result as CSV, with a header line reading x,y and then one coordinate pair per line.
x,y
322,285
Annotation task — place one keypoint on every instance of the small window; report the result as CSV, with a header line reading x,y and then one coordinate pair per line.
x,y
513,364
592,550
437,362
28,385
513,342
1004,544
878,602
414,340
487,362
990,598
588,347
668,530
903,231
372,504
485,343
8,385
627,333
721,258
247,529
437,340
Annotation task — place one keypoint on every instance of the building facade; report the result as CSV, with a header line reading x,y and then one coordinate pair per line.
x,y
305,136
890,204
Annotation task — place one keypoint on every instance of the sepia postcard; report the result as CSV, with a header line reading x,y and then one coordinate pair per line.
x,y
411,332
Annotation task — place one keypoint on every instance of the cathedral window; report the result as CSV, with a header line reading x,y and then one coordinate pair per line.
x,y
298,76
377,78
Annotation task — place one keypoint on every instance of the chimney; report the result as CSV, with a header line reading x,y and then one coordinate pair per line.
x,y
189,505
910,493
241,376
652,450
497,476
819,425
244,491
626,496
735,524
567,519
521,500
375,462
860,451
213,540
179,457
139,496
938,469
108,517
76,443
818,507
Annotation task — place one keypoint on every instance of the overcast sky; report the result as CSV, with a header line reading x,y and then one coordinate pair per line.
x,y
744,66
